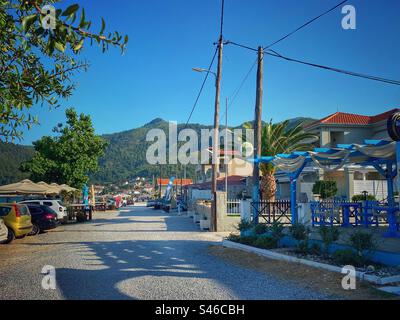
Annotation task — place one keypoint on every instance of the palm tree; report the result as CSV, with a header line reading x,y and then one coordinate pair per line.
x,y
276,139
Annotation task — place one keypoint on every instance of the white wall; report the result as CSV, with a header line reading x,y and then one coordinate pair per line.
x,y
378,188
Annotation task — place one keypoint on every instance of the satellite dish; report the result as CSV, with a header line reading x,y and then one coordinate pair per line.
x,y
247,149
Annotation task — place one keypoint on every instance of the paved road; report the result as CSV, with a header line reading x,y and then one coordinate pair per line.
x,y
137,253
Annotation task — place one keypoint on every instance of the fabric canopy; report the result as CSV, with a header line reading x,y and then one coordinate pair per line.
x,y
23,187
385,151
26,187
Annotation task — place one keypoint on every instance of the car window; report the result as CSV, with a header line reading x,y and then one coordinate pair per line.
x,y
47,203
24,211
49,210
4,211
35,210
32,202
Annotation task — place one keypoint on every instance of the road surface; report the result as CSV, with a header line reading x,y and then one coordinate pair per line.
x,y
136,253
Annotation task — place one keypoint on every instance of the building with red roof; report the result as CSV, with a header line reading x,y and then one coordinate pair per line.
x,y
348,128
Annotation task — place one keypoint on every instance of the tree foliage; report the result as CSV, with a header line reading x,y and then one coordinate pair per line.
x,y
36,63
278,138
70,156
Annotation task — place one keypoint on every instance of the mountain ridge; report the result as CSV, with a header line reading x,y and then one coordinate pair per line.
x,y
125,156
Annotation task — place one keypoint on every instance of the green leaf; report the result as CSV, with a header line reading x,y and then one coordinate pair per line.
x,y
103,26
28,21
79,45
82,22
59,46
70,10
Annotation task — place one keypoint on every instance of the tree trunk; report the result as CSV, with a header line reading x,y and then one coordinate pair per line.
x,y
268,186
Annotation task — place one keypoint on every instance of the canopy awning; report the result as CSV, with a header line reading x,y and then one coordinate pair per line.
x,y
372,152
27,187
23,187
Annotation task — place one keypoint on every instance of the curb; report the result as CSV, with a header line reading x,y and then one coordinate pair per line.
x,y
283,257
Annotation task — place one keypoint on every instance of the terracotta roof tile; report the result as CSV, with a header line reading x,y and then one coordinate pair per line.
x,y
351,118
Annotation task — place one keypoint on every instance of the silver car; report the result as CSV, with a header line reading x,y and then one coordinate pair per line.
x,y
3,231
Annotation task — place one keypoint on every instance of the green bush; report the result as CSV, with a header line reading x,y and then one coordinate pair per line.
x,y
349,257
260,229
233,237
266,242
315,249
244,225
360,197
299,231
328,235
249,240
326,189
362,242
276,231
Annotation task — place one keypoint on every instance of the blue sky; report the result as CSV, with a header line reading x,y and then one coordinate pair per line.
x,y
169,37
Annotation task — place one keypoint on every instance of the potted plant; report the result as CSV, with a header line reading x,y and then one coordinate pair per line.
x,y
204,223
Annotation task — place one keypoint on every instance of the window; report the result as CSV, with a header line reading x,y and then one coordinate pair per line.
x,y
35,210
4,211
32,202
23,210
49,204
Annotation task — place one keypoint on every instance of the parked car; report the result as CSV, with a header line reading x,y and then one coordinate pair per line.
x,y
43,218
17,218
3,231
56,205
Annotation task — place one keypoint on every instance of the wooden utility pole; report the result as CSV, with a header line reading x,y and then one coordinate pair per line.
x,y
215,149
258,131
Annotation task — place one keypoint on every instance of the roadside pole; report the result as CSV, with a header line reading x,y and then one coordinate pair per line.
x,y
215,151
258,132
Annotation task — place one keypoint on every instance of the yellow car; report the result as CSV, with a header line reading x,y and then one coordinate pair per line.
x,y
17,218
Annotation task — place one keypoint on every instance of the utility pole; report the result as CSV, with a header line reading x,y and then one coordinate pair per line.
x,y
215,157
258,131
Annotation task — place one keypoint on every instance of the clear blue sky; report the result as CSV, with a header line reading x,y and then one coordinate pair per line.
x,y
169,37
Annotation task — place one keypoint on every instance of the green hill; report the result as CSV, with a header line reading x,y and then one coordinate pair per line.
x,y
11,156
124,158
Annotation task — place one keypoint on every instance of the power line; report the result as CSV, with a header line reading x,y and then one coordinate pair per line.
x,y
239,88
305,25
201,88
350,73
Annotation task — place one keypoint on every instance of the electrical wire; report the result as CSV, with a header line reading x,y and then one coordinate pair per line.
x,y
304,25
350,73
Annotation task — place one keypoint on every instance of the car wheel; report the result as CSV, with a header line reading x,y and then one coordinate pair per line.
x,y
35,230
10,236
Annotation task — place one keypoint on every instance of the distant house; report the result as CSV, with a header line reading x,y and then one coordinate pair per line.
x,y
177,184
230,164
343,128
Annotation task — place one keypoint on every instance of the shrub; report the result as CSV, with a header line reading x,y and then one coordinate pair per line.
x,y
360,197
299,231
260,229
328,235
326,189
266,242
249,240
276,230
244,225
233,237
348,257
315,249
362,242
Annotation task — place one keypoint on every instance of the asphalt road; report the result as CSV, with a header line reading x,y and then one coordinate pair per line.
x,y
136,253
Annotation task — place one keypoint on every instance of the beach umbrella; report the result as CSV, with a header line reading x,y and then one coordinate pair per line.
x,y
23,187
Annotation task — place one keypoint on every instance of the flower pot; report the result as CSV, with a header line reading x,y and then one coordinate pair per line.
x,y
204,224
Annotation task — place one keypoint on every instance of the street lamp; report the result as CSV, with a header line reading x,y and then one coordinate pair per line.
x,y
206,71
